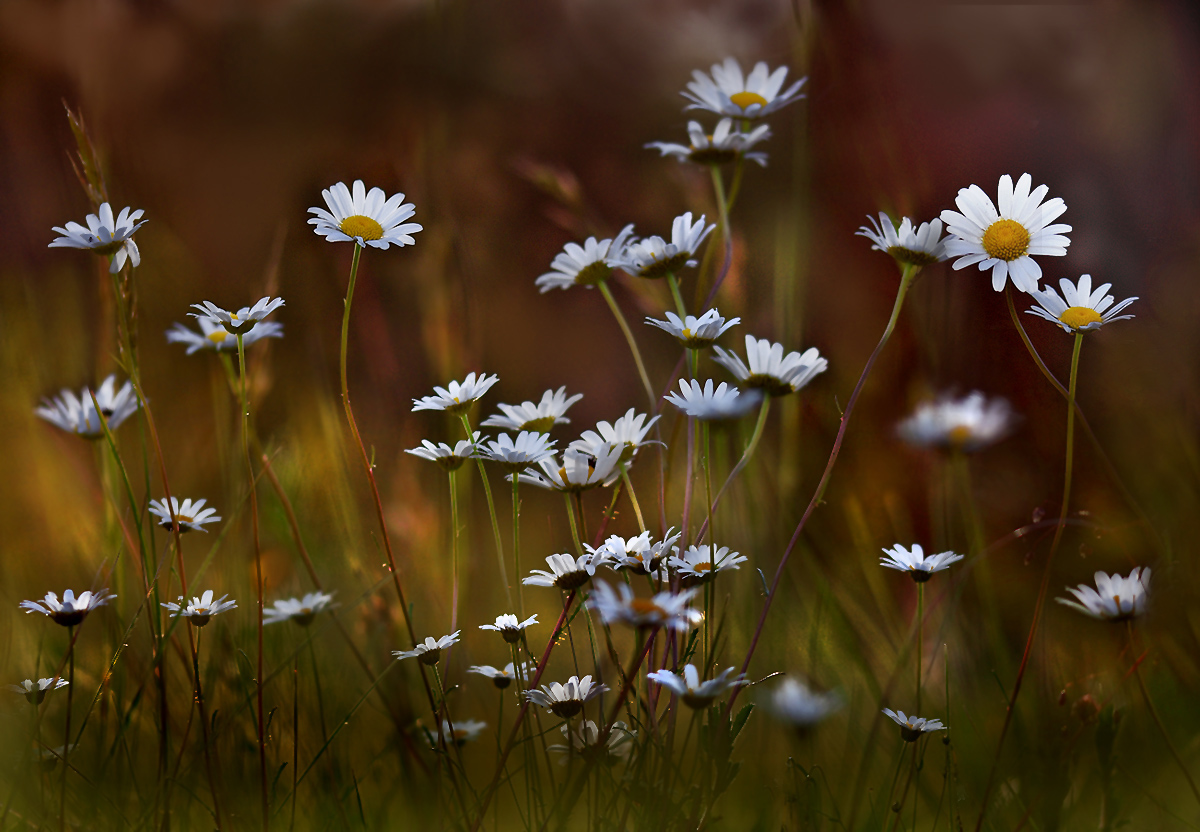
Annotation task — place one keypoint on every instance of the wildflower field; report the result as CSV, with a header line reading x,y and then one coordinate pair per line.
x,y
599,416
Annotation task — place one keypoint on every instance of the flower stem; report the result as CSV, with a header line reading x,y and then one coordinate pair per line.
x,y
751,446
637,509
920,637
673,283
516,506
453,553
487,492
629,339
66,755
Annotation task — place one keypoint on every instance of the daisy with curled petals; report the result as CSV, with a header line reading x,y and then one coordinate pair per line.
x,y
201,610
636,554
1114,598
450,459
908,246
700,563
723,145
35,692
724,403
579,471
429,651
1005,239
213,336
912,727
692,332
730,93
529,448
797,704
236,322
105,235
666,609
71,610
540,417
77,414
628,432
566,572
190,516
566,700
915,562
694,693
500,678
301,610
654,257
585,265
457,397
585,744
510,628
965,425
1079,309
368,218
770,370
463,732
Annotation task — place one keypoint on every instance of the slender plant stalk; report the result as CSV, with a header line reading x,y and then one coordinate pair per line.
x,y
633,500
62,803
629,339
487,492
673,283
920,637
751,447
453,553
516,508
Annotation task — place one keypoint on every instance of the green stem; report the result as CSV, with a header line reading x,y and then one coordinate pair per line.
x,y
629,339
66,755
574,527
680,308
453,553
751,446
920,637
516,507
487,492
637,509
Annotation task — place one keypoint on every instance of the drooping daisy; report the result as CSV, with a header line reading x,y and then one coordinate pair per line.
x,y
694,693
450,459
584,743
191,516
1005,240
529,448
907,245
579,471
71,610
637,554
105,235
213,336
242,319
729,93
1079,309
912,727
666,609
770,370
540,417
566,700
915,562
723,145
798,705
463,731
510,627
35,692
967,425
692,332
700,563
584,265
500,678
457,397
78,415
301,610
628,432
429,651
1114,598
368,218
201,610
566,572
654,257
724,403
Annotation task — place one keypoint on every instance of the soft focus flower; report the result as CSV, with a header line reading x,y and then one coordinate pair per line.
x,y
700,563
429,651
457,398
584,744
666,609
628,432
510,627
636,554
968,425
566,572
78,415
71,610
795,703
912,727
707,404
692,332
236,321
1079,309
191,516
723,145
584,265
449,458
367,218
301,610
463,731
694,693
35,692
916,247
919,566
105,235
565,700
529,448
540,417
729,93
654,257
770,370
213,336
1005,240
1114,598
500,678
201,609
579,471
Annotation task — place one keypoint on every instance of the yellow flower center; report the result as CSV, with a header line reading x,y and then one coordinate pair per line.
x,y
218,336
183,518
1006,240
702,567
745,99
959,435
1078,317
360,226
645,606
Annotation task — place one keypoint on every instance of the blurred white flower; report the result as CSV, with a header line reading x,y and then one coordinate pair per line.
x,y
213,336
457,397
770,370
729,93
1114,598
912,727
463,731
795,703
1079,309
540,417
301,610
105,235
968,425
234,322
707,404
368,218
191,516
201,610
666,609
429,651
585,745
723,145
914,246
915,562
694,693
654,257
71,610
78,414
584,265
692,332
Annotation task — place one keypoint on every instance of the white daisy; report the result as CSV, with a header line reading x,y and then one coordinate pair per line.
x,y
912,727
201,610
914,246
213,336
457,397
71,610
1079,309
236,321
48,757
915,562
105,235
797,704
637,554
1114,598
584,265
723,145
566,572
700,563
191,516
566,700
301,610
368,218
35,692
429,651
585,745
654,257
1006,240
449,458
463,731
729,93
579,471
694,693
78,414
969,424
540,417
529,448
629,432
500,678
724,403
666,609
770,370
510,627
692,332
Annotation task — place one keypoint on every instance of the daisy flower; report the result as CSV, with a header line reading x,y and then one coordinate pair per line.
x,y
694,693
449,458
636,554
585,265
907,245
666,609
704,403
723,145
1079,309
49,757
201,609
1114,598
912,727
797,704
105,235
580,470
584,743
301,610
654,257
78,415
566,572
692,332
191,516
770,370
510,627
71,610
565,700
35,692
540,417
919,566
968,425
628,432
429,651
700,563
500,678
529,448
367,218
463,732
1005,239
235,321
457,398
213,336
729,93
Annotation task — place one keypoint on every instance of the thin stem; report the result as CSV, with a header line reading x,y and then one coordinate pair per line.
x,y
673,283
487,492
453,554
637,509
516,507
574,527
66,755
751,447
629,339
194,643
920,637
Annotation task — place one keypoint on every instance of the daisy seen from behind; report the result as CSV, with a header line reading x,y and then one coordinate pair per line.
x,y
694,693
962,425
1114,598
430,650
919,566
449,458
300,610
566,572
35,692
723,145
567,699
585,265
190,516
235,322
912,727
457,397
78,415
367,218
769,369
723,403
105,235
730,93
1079,309
540,417
907,245
200,610
501,679
654,257
510,628
71,610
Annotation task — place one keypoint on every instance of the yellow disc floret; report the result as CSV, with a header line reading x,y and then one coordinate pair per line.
x,y
1006,240
1078,317
360,226
745,99
959,435
218,336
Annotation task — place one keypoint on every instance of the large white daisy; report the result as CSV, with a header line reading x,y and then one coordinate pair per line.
x,y
730,93
368,218
1079,309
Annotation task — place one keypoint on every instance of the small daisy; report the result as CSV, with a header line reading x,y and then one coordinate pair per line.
x,y
692,332
723,145
514,455
628,432
48,757
35,692
458,398
463,732
213,336
579,471
500,678
540,417
368,218
919,567
566,700
201,609
694,693
235,321
1114,598
429,651
71,610
1005,240
968,425
78,415
585,265
699,563
770,370
908,246
912,727
585,743
566,572
301,610
1079,309
666,609
654,257
724,403
510,627
191,516
729,93
105,235
795,703
637,554
449,458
